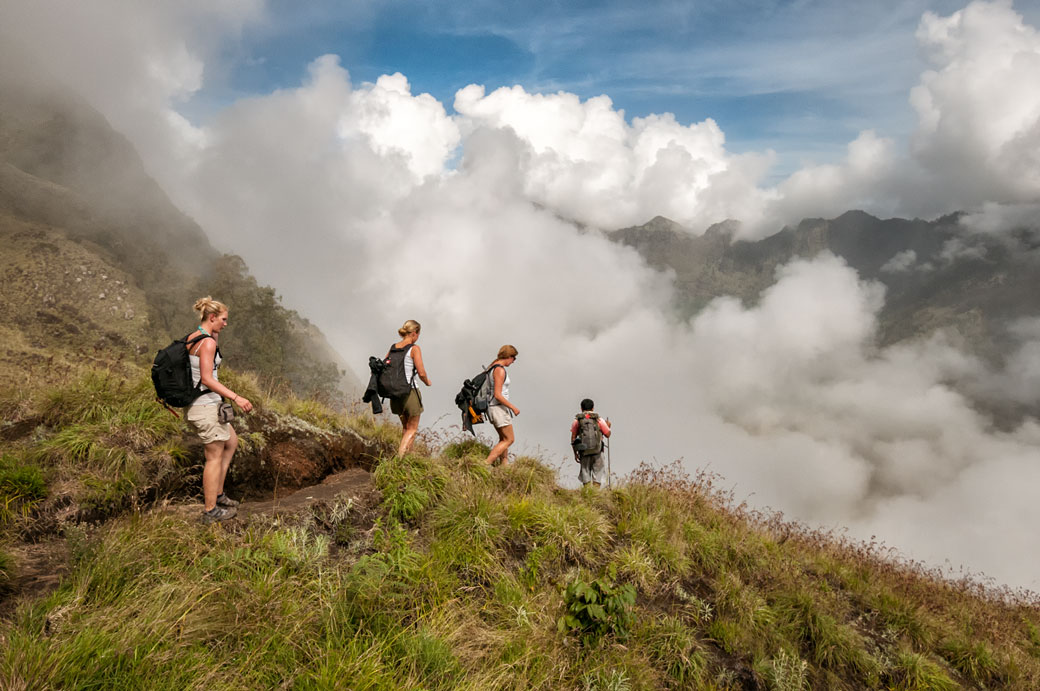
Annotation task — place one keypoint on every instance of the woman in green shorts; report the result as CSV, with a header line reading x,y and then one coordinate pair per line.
x,y
409,407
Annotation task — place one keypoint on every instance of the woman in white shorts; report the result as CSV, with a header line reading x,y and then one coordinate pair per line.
x,y
219,438
500,411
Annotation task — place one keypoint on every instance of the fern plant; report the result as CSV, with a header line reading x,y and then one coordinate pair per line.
x,y
596,609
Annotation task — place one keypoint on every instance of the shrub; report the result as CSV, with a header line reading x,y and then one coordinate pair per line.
x,y
593,610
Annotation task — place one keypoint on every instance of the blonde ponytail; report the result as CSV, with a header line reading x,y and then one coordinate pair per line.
x,y
410,327
207,306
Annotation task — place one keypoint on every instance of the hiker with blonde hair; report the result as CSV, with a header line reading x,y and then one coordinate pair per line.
x,y
205,414
500,410
409,406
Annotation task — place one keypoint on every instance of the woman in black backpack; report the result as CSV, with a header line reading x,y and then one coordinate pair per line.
x,y
217,435
409,407
501,412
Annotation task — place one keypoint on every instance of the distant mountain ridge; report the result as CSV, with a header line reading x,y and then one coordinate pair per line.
x,y
67,178
937,274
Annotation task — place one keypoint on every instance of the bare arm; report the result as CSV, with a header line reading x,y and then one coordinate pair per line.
x,y
420,369
206,352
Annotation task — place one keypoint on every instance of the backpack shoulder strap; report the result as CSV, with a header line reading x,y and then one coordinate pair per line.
x,y
198,339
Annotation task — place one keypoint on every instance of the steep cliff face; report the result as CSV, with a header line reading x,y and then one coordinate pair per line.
x,y
94,252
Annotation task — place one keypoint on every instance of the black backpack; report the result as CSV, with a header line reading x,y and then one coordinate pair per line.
x,y
391,381
589,440
476,393
171,374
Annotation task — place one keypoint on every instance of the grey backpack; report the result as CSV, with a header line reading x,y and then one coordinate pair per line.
x,y
589,440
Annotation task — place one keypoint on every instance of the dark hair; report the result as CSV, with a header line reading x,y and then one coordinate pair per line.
x,y
587,404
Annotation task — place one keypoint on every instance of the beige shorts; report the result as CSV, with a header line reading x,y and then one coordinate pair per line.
x,y
500,416
410,405
204,419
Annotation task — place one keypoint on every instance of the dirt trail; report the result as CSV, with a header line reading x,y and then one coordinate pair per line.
x,y
353,482
40,566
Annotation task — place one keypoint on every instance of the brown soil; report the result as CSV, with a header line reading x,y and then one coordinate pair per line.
x,y
353,482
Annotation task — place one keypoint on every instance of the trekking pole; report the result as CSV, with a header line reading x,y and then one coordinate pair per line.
x,y
608,459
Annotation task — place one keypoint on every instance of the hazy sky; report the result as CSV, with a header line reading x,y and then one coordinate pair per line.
x,y
799,77
380,161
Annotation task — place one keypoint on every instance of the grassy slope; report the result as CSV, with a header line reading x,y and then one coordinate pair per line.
x,y
459,583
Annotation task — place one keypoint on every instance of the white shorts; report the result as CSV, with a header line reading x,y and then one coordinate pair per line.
x,y
500,416
204,419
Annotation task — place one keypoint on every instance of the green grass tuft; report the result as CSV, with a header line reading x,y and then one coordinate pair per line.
x,y
975,660
22,487
409,485
914,671
466,447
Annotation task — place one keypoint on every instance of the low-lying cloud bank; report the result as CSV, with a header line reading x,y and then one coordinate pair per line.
x,y
367,205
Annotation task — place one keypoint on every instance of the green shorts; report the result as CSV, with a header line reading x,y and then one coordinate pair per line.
x,y
410,405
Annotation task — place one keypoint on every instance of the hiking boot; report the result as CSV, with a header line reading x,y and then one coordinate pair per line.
x,y
218,513
225,500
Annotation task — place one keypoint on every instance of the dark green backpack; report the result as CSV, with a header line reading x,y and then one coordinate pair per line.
x,y
589,440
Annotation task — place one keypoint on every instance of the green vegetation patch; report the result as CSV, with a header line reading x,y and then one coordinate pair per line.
x,y
410,484
22,486
597,609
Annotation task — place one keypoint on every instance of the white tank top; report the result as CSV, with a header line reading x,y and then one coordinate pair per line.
x,y
409,366
210,397
505,388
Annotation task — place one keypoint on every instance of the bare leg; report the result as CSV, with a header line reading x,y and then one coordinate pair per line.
x,y
501,449
230,446
411,427
212,477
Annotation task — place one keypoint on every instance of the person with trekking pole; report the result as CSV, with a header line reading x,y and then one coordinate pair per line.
x,y
208,414
588,432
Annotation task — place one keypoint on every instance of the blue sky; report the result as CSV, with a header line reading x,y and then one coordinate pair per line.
x,y
801,77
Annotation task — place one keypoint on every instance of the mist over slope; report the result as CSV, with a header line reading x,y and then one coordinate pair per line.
x,y
369,205
978,288
98,260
